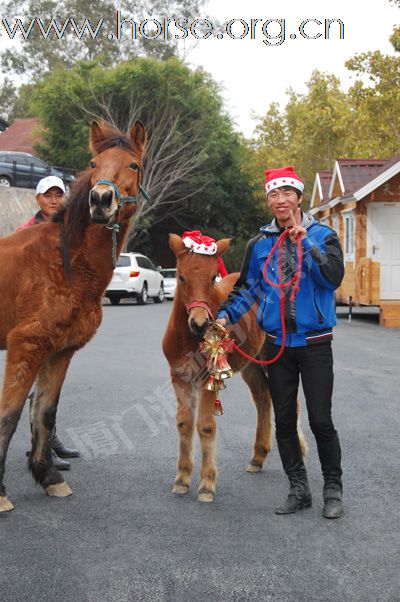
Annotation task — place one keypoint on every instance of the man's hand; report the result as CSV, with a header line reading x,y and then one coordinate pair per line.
x,y
222,321
297,229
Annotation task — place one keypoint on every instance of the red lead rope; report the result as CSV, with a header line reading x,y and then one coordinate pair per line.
x,y
280,243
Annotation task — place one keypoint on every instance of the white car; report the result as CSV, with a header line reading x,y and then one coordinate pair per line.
x,y
135,276
169,282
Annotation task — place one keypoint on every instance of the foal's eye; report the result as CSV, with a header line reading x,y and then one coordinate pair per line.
x,y
134,166
213,278
92,164
181,278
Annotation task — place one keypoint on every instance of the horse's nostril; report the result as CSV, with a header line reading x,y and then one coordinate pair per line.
x,y
107,198
94,197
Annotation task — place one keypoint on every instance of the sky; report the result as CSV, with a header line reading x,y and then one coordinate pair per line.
x,y
253,74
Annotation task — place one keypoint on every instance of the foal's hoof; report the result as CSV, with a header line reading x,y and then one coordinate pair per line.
x,y
206,496
254,468
58,490
5,504
180,489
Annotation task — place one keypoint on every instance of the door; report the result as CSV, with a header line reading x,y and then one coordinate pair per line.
x,y
383,245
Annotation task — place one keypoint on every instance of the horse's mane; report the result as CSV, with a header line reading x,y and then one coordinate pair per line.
x,y
75,214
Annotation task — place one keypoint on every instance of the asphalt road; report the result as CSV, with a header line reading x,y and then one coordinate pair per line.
x,y
124,537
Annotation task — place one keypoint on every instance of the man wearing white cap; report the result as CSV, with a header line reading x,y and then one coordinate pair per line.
x,y
307,318
50,194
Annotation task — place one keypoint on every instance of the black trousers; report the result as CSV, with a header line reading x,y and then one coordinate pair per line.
x,y
314,364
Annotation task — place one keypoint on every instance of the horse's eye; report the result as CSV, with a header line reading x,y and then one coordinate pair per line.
x,y
213,278
92,164
134,166
181,278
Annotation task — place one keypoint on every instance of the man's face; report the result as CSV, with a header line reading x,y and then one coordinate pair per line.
x,y
50,201
281,201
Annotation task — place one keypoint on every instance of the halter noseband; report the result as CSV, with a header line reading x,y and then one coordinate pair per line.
x,y
125,199
202,305
121,201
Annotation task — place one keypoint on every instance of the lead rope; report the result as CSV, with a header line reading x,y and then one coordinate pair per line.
x,y
114,231
280,243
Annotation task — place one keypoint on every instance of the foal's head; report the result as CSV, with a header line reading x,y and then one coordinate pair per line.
x,y
196,275
116,171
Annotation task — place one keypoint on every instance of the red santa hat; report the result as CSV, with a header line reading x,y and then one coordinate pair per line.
x,y
284,176
197,243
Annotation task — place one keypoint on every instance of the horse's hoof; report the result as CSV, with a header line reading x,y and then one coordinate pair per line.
x,y
206,496
180,489
254,468
5,504
58,490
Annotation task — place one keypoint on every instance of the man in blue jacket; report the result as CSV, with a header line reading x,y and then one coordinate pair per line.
x,y
309,318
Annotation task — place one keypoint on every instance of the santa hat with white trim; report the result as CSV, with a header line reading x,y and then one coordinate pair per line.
x,y
284,176
196,242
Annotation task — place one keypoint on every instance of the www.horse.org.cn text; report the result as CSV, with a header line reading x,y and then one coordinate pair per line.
x,y
272,32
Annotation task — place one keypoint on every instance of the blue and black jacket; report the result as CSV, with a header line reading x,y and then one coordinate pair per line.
x,y
310,317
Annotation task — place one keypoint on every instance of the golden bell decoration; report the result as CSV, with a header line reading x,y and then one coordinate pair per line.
x,y
217,343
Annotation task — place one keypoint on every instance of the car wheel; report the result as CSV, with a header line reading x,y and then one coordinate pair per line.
x,y
115,300
5,182
143,296
161,295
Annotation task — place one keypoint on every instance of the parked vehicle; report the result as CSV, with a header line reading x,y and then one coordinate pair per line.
x,y
24,170
169,282
135,276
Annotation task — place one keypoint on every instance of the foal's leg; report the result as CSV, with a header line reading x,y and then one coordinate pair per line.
x,y
254,376
207,430
23,359
43,414
186,403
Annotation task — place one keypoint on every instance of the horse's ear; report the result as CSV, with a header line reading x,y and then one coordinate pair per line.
x,y
138,136
223,245
96,136
227,284
176,244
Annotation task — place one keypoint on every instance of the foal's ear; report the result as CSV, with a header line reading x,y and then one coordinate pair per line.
x,y
223,245
176,244
138,136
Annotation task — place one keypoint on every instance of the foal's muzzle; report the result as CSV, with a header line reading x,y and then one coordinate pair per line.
x,y
200,317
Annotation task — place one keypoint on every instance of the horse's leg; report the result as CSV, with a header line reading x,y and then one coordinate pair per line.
x,y
43,414
22,363
186,404
257,381
207,429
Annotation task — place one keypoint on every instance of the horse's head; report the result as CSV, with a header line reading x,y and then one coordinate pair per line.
x,y
117,172
196,276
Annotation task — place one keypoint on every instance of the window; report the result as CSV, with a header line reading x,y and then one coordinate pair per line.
x,y
335,223
348,218
144,262
123,261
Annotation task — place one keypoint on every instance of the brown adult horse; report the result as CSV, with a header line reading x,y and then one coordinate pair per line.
x,y
196,282
46,316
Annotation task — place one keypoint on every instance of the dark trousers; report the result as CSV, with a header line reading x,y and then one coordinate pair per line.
x,y
314,364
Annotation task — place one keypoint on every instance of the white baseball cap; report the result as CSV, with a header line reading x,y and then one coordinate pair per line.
x,y
45,183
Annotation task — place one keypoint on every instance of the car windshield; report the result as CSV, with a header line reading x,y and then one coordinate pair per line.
x,y
123,261
168,273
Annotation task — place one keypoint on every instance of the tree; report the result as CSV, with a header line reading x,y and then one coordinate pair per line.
x,y
194,162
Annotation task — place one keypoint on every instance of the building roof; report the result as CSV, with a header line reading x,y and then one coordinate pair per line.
x,y
353,174
21,136
320,193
